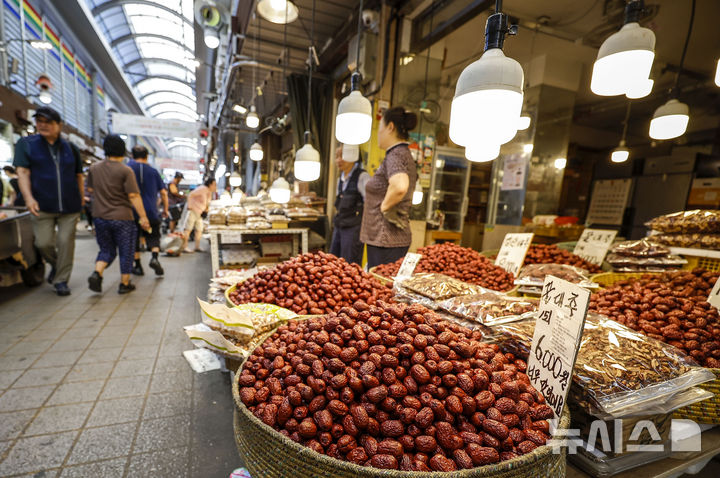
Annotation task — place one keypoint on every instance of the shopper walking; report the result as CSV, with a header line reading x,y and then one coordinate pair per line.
x,y
150,184
388,196
176,200
115,194
197,204
50,178
348,209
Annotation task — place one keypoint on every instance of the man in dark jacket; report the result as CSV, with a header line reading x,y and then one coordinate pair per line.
x,y
51,181
349,210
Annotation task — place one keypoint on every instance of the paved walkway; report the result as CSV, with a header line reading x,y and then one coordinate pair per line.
x,y
96,385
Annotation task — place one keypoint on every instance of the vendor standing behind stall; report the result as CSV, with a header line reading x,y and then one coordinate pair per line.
x,y
388,195
348,209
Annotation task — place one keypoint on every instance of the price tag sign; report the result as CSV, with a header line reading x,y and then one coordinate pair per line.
x,y
408,265
714,298
555,343
512,252
594,244
230,237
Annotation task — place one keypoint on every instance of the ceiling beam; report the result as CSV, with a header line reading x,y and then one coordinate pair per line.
x,y
118,3
133,36
164,61
444,28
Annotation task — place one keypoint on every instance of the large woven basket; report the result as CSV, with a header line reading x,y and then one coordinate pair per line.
x,y
707,411
382,279
268,453
229,291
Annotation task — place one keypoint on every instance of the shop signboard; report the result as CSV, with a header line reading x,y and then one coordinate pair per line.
x,y
593,244
513,250
139,125
556,340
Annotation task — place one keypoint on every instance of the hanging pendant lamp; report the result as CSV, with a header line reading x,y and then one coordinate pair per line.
x,y
671,119
350,153
489,92
280,191
252,120
307,158
235,179
417,193
256,152
625,58
482,152
353,123
278,11
621,153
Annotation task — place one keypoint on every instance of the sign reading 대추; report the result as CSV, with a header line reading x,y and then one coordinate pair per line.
x,y
593,244
513,250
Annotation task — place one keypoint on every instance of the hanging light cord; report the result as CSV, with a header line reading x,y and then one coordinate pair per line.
x,y
286,50
498,6
359,33
311,60
627,120
427,64
685,47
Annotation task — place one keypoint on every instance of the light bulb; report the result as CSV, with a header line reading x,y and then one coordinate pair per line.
x,y
212,39
624,61
670,120
236,159
256,152
203,142
252,120
523,123
417,193
280,191
560,163
277,11
528,148
238,108
482,152
235,179
307,163
45,97
619,155
350,153
488,100
353,123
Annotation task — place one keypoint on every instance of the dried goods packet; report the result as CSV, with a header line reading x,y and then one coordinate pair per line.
x,y
667,261
644,247
696,221
534,275
488,307
697,240
265,317
437,286
619,372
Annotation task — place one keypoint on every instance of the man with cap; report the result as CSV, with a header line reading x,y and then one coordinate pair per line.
x,y
115,195
150,184
176,200
349,204
50,177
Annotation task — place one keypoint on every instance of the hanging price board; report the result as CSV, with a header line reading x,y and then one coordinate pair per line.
x,y
513,250
408,265
555,343
594,244
714,298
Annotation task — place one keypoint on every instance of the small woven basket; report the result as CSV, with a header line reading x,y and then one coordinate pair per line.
x,y
270,454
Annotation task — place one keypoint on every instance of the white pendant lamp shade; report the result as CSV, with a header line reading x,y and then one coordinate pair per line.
x,y
528,148
623,63
620,154
274,11
350,153
560,163
45,97
670,120
256,152
488,100
280,191
235,179
212,38
482,152
353,123
640,90
417,193
252,120
307,163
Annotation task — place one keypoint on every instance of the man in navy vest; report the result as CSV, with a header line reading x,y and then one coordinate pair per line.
x,y
50,177
349,210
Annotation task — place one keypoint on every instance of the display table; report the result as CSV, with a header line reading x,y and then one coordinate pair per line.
x,y
668,467
234,234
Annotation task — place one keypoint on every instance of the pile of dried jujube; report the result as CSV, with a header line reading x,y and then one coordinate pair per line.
x,y
315,283
458,262
394,386
552,254
671,307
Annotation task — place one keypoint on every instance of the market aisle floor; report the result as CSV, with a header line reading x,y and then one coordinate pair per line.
x,y
96,385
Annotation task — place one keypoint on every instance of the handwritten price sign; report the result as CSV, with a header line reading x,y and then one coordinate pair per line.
x,y
408,265
512,252
594,244
714,298
558,329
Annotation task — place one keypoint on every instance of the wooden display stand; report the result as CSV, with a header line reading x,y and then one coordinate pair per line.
x,y
434,237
